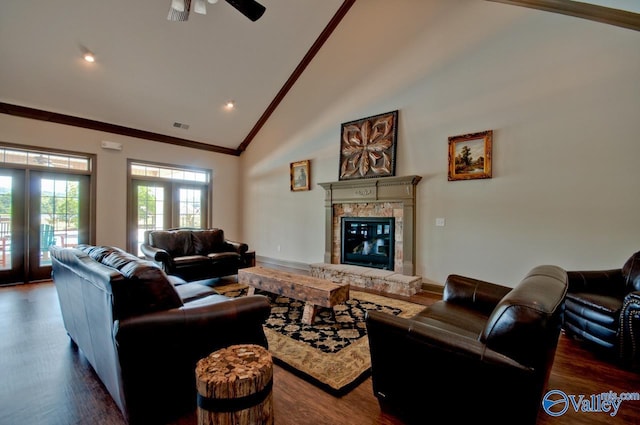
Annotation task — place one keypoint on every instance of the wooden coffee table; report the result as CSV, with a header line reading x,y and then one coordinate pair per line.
x,y
313,291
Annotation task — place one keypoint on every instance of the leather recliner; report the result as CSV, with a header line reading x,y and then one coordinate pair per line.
x,y
603,309
482,354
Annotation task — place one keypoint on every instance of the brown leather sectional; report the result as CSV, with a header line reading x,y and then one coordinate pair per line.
x,y
143,331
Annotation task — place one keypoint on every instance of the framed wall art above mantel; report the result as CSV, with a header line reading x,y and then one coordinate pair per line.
x,y
368,147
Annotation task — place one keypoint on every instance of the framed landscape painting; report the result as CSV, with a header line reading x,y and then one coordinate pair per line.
x,y
470,156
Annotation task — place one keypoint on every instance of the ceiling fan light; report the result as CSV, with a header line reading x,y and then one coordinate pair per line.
x,y
176,14
200,7
178,5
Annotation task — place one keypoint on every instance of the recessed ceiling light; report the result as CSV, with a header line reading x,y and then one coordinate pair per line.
x,y
230,104
87,54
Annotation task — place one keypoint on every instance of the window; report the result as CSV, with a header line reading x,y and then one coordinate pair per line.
x,y
165,197
44,159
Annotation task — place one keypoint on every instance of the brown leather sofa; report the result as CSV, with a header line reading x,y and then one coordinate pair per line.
x,y
196,254
603,309
143,331
482,354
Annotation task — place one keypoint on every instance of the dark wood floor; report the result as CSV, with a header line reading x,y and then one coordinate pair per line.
x,y
44,381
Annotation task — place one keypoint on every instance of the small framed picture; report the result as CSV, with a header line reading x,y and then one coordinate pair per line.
x,y
299,175
470,156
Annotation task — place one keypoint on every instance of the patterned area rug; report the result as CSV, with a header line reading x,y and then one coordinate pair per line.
x,y
333,353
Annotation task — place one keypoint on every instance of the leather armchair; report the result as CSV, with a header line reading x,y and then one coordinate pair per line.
x,y
603,309
481,354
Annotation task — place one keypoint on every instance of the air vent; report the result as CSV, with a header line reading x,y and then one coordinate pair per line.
x,y
181,125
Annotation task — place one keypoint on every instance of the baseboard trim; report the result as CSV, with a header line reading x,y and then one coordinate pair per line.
x,y
433,288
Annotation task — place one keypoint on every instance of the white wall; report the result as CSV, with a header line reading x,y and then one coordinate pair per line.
x,y
112,171
562,95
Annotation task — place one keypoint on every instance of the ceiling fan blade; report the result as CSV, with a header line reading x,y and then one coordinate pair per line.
x,y
249,8
179,10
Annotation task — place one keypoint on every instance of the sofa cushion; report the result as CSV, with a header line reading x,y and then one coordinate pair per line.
x,y
207,241
194,291
225,257
119,259
146,289
190,260
176,242
98,252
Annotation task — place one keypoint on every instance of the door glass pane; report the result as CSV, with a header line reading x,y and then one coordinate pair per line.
x,y
59,215
189,202
150,210
6,183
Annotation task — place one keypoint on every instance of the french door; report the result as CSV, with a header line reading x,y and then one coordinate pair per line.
x,y
39,209
165,205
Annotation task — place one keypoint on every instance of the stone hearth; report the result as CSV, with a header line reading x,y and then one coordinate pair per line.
x,y
368,278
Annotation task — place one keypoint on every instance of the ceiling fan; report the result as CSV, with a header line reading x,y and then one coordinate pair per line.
x,y
179,10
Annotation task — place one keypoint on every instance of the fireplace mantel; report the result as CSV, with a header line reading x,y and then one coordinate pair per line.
x,y
375,190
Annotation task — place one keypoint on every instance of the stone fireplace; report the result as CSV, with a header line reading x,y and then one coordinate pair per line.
x,y
392,197
381,197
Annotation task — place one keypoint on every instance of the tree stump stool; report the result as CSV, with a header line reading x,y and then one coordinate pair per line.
x,y
234,386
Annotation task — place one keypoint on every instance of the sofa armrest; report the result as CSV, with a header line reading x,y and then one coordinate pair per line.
x,y
606,282
384,328
158,352
476,294
191,332
195,320
239,247
158,255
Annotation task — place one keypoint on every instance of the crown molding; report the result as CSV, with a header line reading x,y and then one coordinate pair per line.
x,y
38,114
605,15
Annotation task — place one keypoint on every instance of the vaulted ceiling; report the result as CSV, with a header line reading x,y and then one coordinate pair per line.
x,y
150,72
159,79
